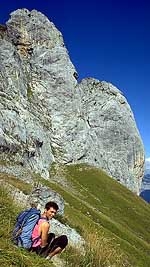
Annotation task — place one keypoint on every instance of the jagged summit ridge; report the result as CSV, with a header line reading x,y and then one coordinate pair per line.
x,y
47,116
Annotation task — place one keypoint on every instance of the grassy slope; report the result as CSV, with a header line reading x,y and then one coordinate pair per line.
x,y
96,204
100,203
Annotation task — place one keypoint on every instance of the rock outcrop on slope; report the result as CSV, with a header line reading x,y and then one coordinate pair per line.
x,y
37,198
47,116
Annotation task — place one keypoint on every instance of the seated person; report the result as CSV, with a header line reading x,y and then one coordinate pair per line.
x,y
43,242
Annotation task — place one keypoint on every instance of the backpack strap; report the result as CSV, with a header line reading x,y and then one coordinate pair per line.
x,y
44,219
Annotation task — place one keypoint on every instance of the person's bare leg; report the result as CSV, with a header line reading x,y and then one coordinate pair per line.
x,y
53,253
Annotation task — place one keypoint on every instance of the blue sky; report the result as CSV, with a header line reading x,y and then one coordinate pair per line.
x,y
108,40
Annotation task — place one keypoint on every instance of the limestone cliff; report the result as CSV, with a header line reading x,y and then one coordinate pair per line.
x,y
46,116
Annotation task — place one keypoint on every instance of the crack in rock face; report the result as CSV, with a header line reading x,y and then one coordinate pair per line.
x,y
46,116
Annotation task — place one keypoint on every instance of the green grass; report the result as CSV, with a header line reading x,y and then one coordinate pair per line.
x,y
29,92
99,201
26,188
113,221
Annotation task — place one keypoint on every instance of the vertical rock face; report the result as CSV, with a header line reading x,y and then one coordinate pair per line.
x,y
46,116
37,79
112,140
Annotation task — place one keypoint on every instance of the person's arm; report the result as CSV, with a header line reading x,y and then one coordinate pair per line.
x,y
44,233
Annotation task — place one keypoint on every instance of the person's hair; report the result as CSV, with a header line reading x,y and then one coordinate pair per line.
x,y
51,204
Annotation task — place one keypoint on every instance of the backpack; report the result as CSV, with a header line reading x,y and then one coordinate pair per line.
x,y
22,232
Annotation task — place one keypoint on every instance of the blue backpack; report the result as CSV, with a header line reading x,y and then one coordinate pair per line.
x,y
24,226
